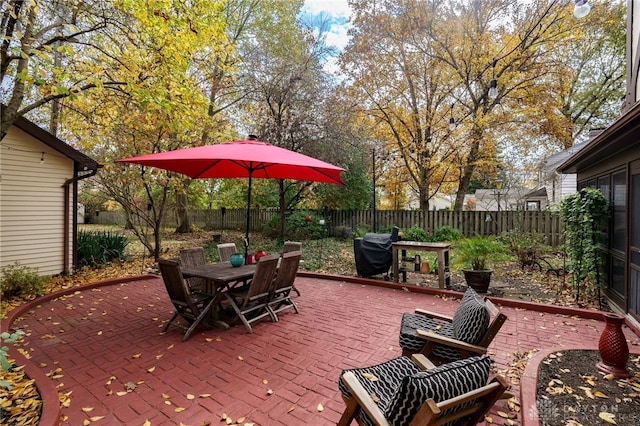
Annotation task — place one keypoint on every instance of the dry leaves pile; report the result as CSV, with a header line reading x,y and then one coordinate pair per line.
x,y
20,405
571,391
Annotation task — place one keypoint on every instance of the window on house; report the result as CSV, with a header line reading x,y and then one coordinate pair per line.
x,y
533,205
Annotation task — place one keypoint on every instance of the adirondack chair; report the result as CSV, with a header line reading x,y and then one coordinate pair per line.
x,y
415,392
193,306
250,303
280,298
442,339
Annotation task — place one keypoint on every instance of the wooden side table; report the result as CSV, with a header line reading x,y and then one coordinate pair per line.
x,y
442,250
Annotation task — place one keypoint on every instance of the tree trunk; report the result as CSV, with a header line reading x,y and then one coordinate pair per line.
x,y
282,201
182,210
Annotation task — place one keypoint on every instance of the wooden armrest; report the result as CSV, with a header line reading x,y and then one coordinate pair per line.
x,y
366,403
433,315
447,341
422,361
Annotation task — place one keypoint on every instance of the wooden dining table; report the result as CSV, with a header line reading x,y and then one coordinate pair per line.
x,y
218,277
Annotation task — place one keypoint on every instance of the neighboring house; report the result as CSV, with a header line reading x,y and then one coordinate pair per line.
x,y
611,163
39,177
558,185
504,199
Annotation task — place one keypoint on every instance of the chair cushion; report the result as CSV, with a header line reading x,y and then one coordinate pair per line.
x,y
389,375
441,383
471,320
411,322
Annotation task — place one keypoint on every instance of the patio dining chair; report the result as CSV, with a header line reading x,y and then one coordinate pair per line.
x,y
280,298
250,303
442,339
225,250
413,391
290,246
192,306
193,256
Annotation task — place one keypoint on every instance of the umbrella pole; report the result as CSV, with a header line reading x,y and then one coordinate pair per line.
x,y
246,236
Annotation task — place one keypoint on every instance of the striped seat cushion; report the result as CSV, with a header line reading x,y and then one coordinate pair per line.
x,y
389,375
444,382
411,322
471,319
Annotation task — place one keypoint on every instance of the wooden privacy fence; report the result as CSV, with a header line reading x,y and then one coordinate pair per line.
x,y
350,222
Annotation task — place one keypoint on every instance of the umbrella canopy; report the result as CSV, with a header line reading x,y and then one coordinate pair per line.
x,y
242,159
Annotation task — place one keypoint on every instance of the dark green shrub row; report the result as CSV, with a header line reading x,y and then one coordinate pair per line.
x,y
299,225
99,248
18,280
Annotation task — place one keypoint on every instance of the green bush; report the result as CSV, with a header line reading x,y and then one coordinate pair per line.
x,y
446,234
297,227
18,280
527,246
415,233
97,248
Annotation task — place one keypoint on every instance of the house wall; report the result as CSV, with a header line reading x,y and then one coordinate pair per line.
x,y
32,203
564,185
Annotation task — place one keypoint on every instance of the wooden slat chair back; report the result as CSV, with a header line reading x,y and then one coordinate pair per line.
x,y
433,335
250,303
280,298
375,400
190,257
225,250
192,306
290,246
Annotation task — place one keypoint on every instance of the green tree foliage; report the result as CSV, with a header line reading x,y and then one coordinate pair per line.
x,y
583,214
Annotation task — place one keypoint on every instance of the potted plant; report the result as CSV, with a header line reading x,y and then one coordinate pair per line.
x,y
477,253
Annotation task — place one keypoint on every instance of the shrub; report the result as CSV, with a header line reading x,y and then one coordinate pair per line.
x,y
19,279
415,233
527,246
446,233
97,248
297,227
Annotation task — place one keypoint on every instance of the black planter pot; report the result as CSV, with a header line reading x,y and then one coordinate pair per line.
x,y
478,280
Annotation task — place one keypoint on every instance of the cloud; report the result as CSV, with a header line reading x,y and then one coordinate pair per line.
x,y
333,8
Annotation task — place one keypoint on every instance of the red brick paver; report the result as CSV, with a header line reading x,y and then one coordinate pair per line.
x,y
103,346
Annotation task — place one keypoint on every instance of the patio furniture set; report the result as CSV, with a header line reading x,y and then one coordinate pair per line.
x,y
443,376
201,291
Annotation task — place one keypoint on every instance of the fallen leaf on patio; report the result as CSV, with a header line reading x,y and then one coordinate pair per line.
x,y
218,339
249,424
130,386
204,395
502,414
146,423
87,409
607,417
136,355
510,422
391,348
265,381
168,403
223,416
189,396
99,333
370,377
110,392
208,339
291,409
488,419
320,407
241,420
269,391
121,393
229,421
86,422
240,358
170,346
600,394
96,418
165,396
179,409
151,370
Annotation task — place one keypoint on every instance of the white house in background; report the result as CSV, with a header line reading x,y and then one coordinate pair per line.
x,y
39,177
506,199
558,185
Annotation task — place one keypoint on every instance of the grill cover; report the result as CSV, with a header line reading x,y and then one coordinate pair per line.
x,y
373,253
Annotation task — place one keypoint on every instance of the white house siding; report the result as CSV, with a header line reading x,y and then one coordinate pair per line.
x,y
32,203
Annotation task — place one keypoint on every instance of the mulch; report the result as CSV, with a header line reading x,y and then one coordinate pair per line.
x,y
571,391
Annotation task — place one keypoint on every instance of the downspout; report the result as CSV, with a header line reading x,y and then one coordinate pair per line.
x,y
68,244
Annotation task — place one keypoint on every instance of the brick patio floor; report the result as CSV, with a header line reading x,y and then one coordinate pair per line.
x,y
95,341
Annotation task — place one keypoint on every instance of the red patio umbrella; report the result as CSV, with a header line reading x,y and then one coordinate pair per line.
x,y
242,159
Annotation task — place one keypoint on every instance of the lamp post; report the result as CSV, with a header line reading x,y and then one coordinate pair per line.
x,y
373,208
